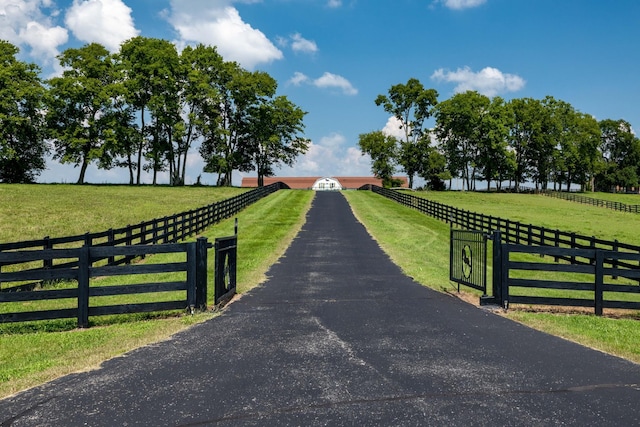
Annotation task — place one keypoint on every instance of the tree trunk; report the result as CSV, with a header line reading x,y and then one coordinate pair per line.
x,y
83,170
184,165
130,164
140,147
186,151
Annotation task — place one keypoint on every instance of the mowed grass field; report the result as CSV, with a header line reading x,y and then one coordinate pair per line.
x,y
33,211
547,212
420,246
35,352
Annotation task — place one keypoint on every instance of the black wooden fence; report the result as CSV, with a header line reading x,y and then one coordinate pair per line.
x,y
513,232
194,286
580,255
583,285
26,265
169,229
592,201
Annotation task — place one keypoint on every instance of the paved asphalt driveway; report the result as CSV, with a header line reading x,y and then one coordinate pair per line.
x,y
338,336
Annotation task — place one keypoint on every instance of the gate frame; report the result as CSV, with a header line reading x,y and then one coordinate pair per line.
x,y
482,244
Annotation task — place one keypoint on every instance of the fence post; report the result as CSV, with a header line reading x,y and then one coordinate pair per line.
x,y
47,263
191,276
614,264
497,267
155,231
83,286
128,243
504,277
598,303
88,241
201,273
110,239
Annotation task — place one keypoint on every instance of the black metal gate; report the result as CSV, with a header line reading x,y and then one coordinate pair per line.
x,y
225,268
468,259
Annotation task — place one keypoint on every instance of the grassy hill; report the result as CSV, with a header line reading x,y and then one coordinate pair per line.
x,y
33,211
547,212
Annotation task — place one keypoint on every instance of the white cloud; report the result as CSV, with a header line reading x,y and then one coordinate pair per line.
x,y
329,80
219,24
334,3
330,157
298,78
462,4
300,44
488,81
107,22
43,40
394,128
25,23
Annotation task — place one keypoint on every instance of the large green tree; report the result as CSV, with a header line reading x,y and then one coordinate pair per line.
x,y
435,171
200,98
226,145
22,145
80,113
275,135
531,137
411,104
152,86
576,139
620,150
472,130
382,149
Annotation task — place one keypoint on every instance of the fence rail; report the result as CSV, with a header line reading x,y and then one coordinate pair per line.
x,y
603,294
585,255
194,287
623,207
513,232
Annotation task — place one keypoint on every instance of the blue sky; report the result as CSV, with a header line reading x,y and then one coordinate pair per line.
x,y
333,57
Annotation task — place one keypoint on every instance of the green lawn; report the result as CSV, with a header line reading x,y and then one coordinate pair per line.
x,y
35,352
33,211
420,246
546,212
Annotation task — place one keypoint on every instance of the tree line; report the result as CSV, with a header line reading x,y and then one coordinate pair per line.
x,y
143,108
489,139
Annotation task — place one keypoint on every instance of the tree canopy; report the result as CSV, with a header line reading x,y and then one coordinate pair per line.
x,y
143,108
411,104
22,137
522,141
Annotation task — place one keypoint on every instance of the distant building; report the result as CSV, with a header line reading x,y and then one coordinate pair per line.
x,y
322,183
